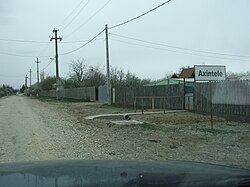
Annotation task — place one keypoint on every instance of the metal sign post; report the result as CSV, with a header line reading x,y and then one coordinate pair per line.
x,y
211,104
210,73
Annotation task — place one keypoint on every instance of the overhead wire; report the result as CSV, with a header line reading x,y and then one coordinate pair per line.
x,y
141,15
21,41
91,17
19,55
75,16
41,42
77,6
78,41
69,52
47,65
45,49
112,27
25,41
181,52
180,48
118,25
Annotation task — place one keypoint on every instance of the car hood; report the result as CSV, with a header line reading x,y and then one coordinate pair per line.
x,y
120,173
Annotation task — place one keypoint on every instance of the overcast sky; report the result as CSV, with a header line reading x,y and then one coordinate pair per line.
x,y
217,26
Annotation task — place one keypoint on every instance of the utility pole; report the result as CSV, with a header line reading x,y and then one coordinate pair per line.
x,y
56,38
107,64
26,77
37,70
30,76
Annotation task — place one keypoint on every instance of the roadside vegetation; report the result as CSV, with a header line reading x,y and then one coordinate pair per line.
x,y
83,75
6,90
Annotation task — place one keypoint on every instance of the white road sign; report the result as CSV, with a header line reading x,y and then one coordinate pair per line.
x,y
209,73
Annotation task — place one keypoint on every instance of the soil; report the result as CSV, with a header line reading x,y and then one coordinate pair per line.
x,y
46,129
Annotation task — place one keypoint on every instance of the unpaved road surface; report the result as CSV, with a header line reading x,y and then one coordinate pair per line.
x,y
32,129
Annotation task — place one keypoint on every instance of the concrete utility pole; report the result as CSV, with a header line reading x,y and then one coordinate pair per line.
x,y
26,77
108,72
37,70
56,51
30,76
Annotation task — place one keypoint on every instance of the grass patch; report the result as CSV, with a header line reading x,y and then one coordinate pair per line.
x,y
216,131
147,126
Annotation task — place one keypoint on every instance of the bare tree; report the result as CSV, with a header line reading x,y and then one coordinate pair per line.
x,y
95,76
78,70
83,75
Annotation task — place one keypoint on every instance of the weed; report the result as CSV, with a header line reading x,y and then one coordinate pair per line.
x,y
147,126
216,131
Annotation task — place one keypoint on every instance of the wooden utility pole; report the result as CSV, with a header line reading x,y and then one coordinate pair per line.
x,y
56,38
37,70
108,72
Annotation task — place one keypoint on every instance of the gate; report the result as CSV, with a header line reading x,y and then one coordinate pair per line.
x,y
102,94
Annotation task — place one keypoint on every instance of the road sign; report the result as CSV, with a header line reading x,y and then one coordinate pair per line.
x,y
209,73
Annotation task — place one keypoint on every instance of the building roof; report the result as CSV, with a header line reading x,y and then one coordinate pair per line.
x,y
175,76
187,73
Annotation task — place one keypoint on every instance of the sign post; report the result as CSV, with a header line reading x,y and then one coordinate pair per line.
x,y
211,104
210,73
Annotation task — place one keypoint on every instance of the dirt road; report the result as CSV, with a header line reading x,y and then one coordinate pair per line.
x,y
32,129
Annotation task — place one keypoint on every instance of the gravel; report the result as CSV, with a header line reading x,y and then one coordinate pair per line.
x,y
32,129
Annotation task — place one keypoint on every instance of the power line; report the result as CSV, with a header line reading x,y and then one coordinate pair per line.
x,y
45,49
21,41
19,55
42,42
137,17
83,44
79,41
188,53
75,16
91,17
181,48
70,13
47,65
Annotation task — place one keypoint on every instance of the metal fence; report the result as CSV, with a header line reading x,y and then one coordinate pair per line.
x,y
103,94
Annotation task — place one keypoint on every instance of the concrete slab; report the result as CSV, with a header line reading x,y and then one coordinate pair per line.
x,y
125,122
126,115
108,116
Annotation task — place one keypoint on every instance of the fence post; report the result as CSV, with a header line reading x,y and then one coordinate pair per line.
x,y
135,104
153,103
142,106
164,105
